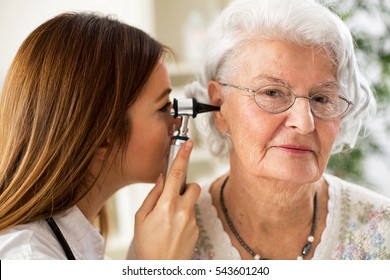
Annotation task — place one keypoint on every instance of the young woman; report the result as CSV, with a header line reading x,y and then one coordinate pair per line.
x,y
83,113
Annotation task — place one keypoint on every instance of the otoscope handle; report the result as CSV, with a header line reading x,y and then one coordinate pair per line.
x,y
176,143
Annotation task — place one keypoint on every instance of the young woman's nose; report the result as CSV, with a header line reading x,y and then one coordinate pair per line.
x,y
300,116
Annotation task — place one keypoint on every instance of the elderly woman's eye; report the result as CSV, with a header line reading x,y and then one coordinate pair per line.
x,y
272,93
321,98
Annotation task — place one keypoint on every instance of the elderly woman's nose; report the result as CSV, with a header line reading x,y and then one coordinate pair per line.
x,y
300,117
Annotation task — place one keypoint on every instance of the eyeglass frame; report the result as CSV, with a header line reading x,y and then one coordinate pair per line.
x,y
254,91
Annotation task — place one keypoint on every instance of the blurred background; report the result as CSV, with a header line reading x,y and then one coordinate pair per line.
x,y
181,25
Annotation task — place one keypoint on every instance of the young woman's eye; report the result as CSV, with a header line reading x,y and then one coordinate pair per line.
x,y
166,108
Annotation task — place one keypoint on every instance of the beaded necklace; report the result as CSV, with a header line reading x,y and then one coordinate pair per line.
x,y
306,248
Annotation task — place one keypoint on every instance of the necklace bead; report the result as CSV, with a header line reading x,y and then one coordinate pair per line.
x,y
306,248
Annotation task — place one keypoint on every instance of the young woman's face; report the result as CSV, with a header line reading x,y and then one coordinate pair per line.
x,y
290,146
151,129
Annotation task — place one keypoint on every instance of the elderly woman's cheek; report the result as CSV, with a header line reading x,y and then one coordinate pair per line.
x,y
330,133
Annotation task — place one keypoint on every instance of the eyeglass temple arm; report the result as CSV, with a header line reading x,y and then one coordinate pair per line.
x,y
238,87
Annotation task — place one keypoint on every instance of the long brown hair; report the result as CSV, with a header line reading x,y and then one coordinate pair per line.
x,y
67,91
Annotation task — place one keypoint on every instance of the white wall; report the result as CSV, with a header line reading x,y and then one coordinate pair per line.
x,y
19,17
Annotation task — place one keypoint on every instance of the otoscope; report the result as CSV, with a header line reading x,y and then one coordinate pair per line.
x,y
184,108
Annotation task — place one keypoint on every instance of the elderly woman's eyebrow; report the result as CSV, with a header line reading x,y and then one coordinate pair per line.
x,y
330,84
271,79
281,81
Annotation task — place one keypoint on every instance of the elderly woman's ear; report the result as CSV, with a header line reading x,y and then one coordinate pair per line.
x,y
217,99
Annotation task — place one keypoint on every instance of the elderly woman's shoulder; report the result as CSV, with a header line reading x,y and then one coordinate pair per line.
x,y
356,193
359,205
362,219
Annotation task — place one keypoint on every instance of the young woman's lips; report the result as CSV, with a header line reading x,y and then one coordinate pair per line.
x,y
295,149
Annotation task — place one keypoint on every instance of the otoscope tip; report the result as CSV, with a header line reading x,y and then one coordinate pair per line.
x,y
203,108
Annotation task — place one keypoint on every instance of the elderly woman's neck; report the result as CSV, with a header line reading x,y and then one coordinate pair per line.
x,y
272,200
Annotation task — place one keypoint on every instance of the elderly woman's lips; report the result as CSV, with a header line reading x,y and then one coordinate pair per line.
x,y
297,149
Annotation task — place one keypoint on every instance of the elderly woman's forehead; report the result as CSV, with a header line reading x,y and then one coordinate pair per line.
x,y
248,51
268,44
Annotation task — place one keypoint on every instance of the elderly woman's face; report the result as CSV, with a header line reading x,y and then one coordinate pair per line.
x,y
293,145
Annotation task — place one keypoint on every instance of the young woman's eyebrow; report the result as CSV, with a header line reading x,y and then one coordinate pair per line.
x,y
163,94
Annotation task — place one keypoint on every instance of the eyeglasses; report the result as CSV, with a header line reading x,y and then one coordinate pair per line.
x,y
327,104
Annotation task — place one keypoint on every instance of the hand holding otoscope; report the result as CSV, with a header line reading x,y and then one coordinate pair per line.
x,y
184,108
163,208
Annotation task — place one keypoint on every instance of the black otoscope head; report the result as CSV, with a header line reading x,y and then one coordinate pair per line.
x,y
203,108
190,107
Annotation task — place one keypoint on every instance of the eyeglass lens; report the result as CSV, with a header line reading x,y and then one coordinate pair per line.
x,y
276,99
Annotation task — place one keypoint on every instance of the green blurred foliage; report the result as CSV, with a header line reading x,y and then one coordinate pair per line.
x,y
369,21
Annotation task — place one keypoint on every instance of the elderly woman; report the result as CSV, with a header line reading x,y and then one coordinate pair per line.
x,y
285,76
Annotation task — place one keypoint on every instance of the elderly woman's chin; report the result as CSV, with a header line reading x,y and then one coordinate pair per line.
x,y
300,169
295,174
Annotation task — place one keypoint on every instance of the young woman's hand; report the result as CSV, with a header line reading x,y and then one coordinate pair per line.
x,y
165,224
